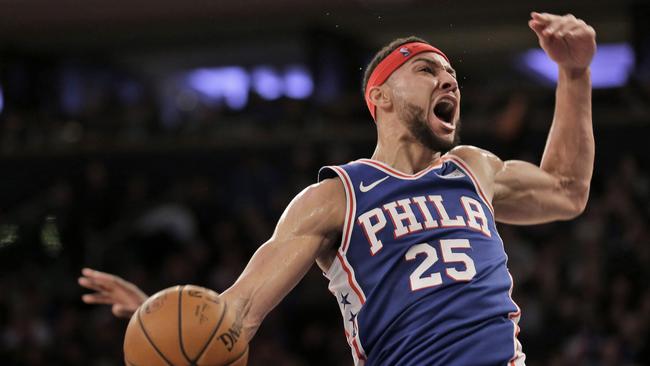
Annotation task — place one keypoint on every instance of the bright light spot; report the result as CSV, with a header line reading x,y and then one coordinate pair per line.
x,y
228,83
8,235
50,237
298,82
267,83
232,84
610,68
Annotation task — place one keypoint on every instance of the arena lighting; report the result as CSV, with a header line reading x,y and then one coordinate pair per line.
x,y
610,68
8,235
267,83
298,82
233,83
228,83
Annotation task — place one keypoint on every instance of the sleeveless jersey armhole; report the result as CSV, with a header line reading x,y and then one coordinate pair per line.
x,y
460,163
350,205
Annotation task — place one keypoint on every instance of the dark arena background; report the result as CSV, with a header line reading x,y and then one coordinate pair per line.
x,y
161,141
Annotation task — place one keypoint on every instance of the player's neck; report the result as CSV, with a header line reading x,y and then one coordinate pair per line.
x,y
405,156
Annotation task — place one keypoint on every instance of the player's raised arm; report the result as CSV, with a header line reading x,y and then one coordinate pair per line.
x,y
526,194
307,230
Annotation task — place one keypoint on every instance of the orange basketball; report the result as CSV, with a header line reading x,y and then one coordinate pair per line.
x,y
183,326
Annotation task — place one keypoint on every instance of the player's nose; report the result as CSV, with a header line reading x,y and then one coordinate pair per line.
x,y
448,83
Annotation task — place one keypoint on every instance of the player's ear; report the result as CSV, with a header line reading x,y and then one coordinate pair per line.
x,y
380,97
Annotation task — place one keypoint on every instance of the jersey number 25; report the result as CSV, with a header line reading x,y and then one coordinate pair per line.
x,y
447,247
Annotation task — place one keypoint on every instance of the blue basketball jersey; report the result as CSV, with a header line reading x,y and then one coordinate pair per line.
x,y
420,275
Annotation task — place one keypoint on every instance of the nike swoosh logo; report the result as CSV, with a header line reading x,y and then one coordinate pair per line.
x,y
370,186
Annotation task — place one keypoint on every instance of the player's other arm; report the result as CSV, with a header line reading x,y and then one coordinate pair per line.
x,y
308,228
559,188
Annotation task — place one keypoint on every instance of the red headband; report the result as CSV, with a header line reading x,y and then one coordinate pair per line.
x,y
392,62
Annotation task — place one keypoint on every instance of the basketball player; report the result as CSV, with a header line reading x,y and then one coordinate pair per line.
x,y
408,238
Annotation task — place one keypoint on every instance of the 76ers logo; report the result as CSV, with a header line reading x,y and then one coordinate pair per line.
x,y
405,51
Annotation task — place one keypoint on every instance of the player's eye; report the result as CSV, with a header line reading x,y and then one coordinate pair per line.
x,y
427,69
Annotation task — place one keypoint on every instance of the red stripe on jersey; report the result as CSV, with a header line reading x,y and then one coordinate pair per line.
x,y
396,173
356,289
355,346
513,317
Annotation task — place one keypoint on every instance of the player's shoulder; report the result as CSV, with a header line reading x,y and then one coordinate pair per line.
x,y
328,199
483,164
319,208
476,158
330,187
328,193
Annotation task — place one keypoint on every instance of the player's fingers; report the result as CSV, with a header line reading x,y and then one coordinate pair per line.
x,y
573,32
97,299
548,31
120,311
103,278
536,25
98,275
568,23
92,285
562,30
542,17
580,31
562,25
551,28
556,24
88,271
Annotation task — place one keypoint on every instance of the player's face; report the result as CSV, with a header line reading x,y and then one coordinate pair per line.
x,y
427,100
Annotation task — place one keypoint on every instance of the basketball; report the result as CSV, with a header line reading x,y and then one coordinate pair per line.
x,y
184,325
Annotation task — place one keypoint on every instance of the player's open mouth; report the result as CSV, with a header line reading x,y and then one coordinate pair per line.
x,y
444,109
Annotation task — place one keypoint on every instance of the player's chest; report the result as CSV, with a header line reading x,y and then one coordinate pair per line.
x,y
403,215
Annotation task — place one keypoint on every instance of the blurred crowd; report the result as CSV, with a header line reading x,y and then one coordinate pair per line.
x,y
582,285
161,217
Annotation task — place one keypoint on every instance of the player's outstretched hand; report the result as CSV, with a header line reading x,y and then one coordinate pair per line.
x,y
568,41
124,296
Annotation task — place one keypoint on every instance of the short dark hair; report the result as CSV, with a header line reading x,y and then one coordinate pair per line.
x,y
382,54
